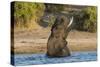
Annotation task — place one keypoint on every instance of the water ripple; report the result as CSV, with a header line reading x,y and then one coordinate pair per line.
x,y
31,59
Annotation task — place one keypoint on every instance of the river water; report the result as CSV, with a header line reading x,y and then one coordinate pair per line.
x,y
34,59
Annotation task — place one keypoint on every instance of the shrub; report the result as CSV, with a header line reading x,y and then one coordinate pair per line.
x,y
91,23
86,20
25,13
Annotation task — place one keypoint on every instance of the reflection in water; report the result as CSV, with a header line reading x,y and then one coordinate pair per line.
x,y
31,59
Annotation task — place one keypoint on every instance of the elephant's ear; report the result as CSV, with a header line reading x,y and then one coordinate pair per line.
x,y
59,20
71,21
63,19
54,25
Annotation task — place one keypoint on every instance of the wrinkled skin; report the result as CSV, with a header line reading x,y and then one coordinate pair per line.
x,y
57,44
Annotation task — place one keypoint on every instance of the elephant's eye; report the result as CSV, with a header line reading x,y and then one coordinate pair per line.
x,y
62,20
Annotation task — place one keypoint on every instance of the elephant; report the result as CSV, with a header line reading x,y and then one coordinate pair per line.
x,y
57,44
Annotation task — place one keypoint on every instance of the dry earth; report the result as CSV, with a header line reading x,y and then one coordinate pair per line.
x,y
35,41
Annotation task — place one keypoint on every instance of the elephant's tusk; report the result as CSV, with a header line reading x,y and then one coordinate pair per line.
x,y
71,20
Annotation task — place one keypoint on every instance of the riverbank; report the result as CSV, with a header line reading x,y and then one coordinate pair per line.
x,y
35,41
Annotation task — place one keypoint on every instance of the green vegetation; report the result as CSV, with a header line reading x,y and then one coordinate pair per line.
x,y
91,23
86,20
26,13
